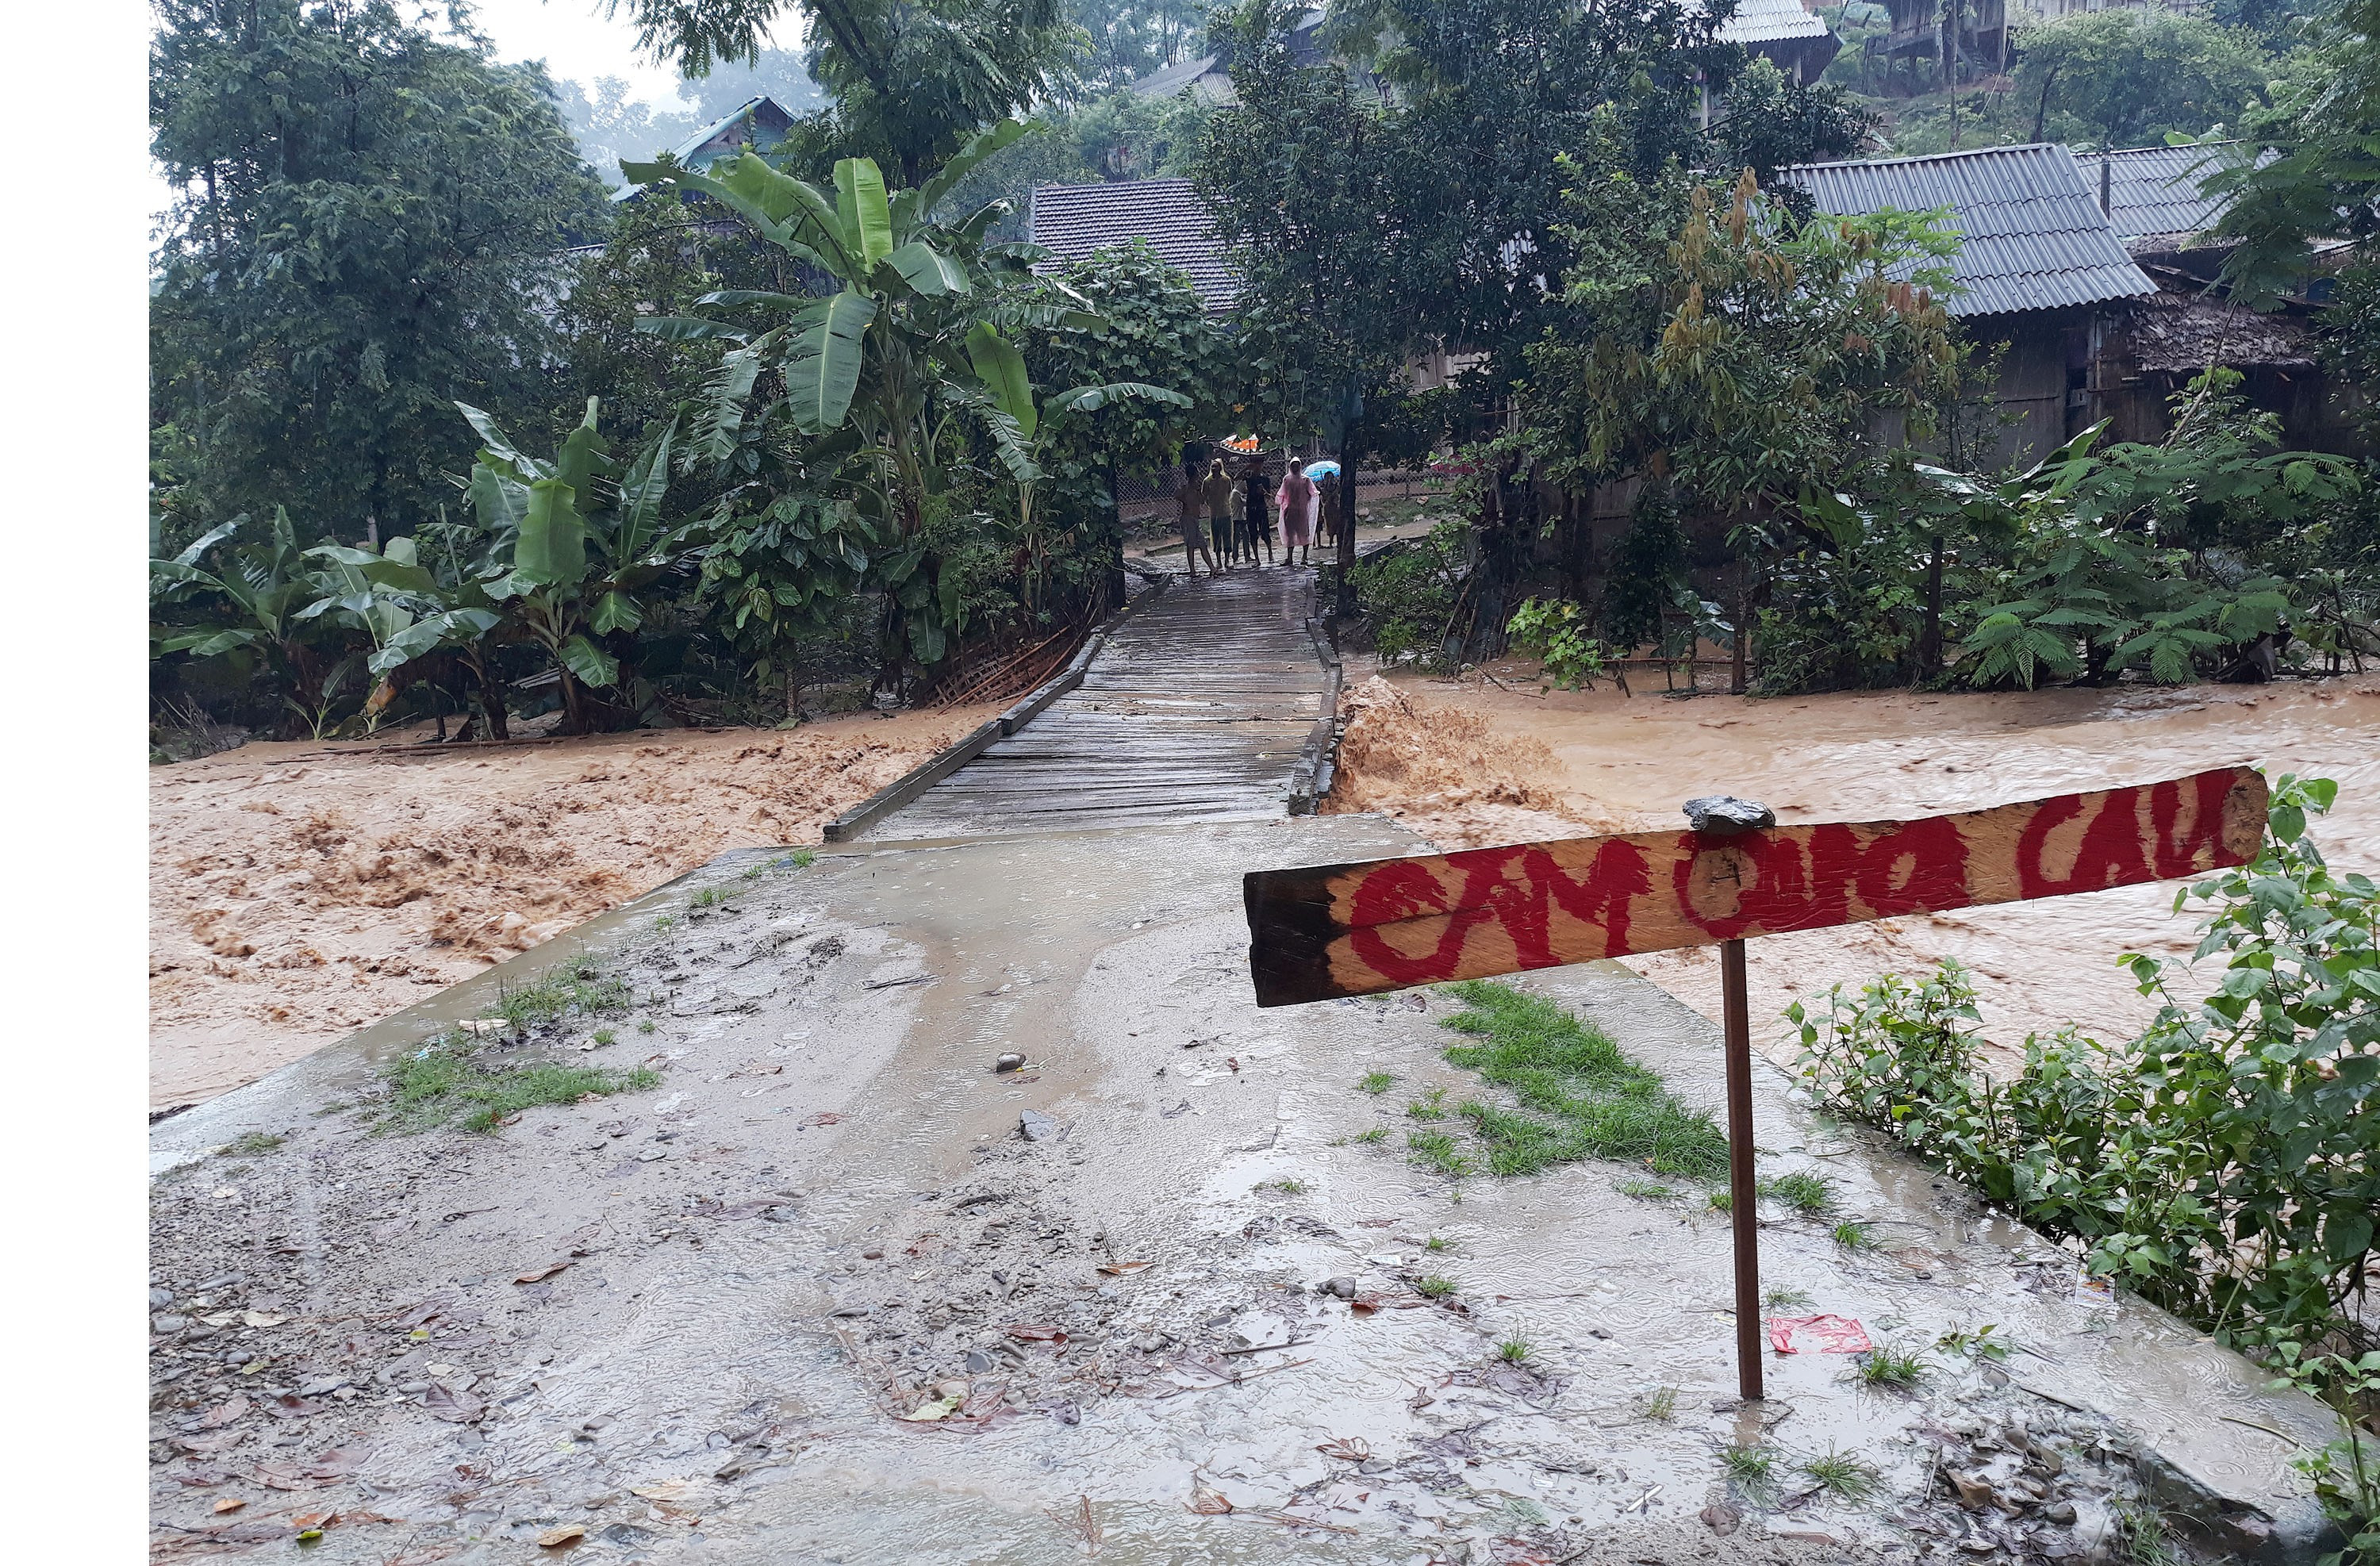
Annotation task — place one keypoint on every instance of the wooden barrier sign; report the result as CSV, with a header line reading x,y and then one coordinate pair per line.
x,y
1390,924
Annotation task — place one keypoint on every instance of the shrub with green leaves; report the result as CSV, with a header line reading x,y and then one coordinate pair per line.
x,y
2223,1163
1555,630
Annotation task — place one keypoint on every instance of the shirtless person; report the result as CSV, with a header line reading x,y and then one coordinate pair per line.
x,y
1193,501
1216,487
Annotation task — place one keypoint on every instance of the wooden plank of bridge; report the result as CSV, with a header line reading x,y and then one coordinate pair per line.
x,y
1195,709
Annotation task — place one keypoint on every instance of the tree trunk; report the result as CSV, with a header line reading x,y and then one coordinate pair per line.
x,y
1929,645
1738,675
573,714
792,692
1347,522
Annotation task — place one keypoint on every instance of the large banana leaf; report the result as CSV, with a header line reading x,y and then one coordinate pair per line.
x,y
551,551
823,372
690,328
1090,399
208,541
860,202
719,424
917,206
499,446
616,611
582,450
736,299
926,269
808,217
501,500
1002,370
641,494
455,627
590,663
749,198
1016,450
382,570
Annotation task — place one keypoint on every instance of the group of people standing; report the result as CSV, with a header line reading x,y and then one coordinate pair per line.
x,y
1228,516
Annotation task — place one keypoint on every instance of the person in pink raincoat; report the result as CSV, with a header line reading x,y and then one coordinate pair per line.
x,y
1296,498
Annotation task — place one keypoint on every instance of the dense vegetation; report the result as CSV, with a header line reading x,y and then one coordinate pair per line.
x,y
867,439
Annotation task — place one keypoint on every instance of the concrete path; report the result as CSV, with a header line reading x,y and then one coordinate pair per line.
x,y
1196,708
702,1322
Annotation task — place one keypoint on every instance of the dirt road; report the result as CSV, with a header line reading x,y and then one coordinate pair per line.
x,y
1481,763
300,890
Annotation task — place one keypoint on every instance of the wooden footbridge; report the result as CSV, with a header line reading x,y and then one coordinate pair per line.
x,y
1208,700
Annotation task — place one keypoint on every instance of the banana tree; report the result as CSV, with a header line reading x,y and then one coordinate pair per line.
x,y
1022,432
882,349
566,569
258,594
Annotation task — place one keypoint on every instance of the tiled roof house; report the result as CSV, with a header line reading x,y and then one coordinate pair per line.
x,y
1072,221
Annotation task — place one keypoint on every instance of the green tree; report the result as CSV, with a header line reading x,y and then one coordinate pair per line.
x,y
364,227
911,80
2129,78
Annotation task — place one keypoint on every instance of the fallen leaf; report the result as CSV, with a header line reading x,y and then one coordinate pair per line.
x,y
554,1538
663,1490
317,1520
1208,1503
224,1413
823,1119
926,1413
1118,1268
542,1274
230,1503
1028,1332
264,1318
456,1408
1351,1448
223,1319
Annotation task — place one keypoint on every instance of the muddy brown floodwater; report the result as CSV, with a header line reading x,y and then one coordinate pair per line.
x,y
299,891
1482,762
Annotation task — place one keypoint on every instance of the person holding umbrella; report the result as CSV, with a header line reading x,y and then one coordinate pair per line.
x,y
1296,498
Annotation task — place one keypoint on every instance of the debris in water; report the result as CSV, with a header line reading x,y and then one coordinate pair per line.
x,y
1817,1334
1723,815
1009,1062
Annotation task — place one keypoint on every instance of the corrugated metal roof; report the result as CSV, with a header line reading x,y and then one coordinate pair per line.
x,y
1766,21
2031,235
2154,190
1070,221
769,118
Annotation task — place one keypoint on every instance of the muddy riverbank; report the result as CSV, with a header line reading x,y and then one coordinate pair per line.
x,y
300,890
1478,762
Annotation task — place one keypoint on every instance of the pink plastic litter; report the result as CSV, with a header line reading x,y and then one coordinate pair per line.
x,y
1817,1334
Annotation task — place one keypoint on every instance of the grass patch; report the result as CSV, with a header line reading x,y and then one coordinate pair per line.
x,y
710,897
1436,1286
1579,1096
1514,1349
1378,1134
1662,1403
1644,1190
449,1077
1752,1467
1844,1473
1981,1343
644,1024
1435,1149
1437,1243
1720,1200
1895,1369
255,1144
1286,1187
1376,1081
1812,1196
1430,1106
584,989
1854,1235
799,859
1785,1299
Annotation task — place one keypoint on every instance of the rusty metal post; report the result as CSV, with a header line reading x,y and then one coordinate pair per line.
x,y
1743,1197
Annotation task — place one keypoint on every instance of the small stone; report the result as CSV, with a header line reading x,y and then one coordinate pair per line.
x,y
1009,1062
1722,1519
168,1323
873,1253
1598,1332
321,1386
1723,815
2061,1514
1343,1288
159,1298
1151,1343
977,1361
1035,1126
1975,1489
954,1390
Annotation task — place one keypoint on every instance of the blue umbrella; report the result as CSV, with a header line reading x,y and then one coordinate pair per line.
x,y
1316,469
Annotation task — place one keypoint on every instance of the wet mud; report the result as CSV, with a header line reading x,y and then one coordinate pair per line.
x,y
1483,762
300,890
837,1290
